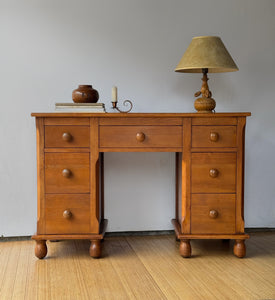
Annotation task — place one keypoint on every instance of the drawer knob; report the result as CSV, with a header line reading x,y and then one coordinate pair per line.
x,y
214,136
213,173
140,136
66,136
213,214
66,173
67,214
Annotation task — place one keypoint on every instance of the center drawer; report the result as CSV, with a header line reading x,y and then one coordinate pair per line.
x,y
67,173
140,136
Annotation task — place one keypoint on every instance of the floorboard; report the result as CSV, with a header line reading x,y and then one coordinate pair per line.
x,y
145,267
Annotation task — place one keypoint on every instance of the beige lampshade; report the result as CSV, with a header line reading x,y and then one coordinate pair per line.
x,y
206,52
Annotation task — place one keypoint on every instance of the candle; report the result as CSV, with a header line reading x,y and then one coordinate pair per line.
x,y
114,94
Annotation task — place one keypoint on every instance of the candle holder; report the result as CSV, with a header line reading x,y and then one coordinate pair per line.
x,y
125,103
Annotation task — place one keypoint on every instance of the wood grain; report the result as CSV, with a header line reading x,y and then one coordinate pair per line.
x,y
226,136
213,274
77,204
139,268
213,149
240,175
144,115
202,204
126,136
40,142
180,235
202,163
68,150
95,207
77,163
209,170
228,119
185,213
168,121
80,136
140,149
75,120
40,249
89,236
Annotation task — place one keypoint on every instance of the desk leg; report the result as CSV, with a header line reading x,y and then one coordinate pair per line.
x,y
185,248
40,249
239,248
177,186
95,248
101,155
177,161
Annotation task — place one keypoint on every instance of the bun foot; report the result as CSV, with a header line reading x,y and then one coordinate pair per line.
x,y
185,248
239,248
40,249
95,248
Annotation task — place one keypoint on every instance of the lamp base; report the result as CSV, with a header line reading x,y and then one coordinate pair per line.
x,y
205,105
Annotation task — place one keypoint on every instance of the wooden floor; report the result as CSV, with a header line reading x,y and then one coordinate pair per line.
x,y
139,268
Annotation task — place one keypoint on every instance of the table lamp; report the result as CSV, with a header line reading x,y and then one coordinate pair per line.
x,y
206,54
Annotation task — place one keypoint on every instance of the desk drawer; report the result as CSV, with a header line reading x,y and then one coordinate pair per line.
x,y
67,214
213,213
67,173
213,173
67,136
214,136
140,136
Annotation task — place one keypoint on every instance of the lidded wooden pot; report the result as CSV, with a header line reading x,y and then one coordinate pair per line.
x,y
85,94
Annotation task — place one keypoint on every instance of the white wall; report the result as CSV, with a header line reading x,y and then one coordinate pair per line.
x,y
49,47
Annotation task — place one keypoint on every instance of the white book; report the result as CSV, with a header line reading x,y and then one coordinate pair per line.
x,y
80,107
84,105
79,104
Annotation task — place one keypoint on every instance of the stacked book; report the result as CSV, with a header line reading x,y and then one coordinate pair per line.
x,y
80,107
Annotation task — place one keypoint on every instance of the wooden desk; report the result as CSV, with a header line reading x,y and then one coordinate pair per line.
x,y
209,172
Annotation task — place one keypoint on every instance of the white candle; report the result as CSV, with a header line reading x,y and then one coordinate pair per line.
x,y
114,94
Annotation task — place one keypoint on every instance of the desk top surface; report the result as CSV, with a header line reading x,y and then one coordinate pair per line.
x,y
143,115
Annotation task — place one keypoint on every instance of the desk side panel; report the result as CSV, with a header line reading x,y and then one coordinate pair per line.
x,y
240,175
186,177
40,143
178,186
94,177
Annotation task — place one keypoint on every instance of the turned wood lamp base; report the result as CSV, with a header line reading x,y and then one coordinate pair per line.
x,y
205,104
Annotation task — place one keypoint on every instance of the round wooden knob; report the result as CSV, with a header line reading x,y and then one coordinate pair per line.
x,y
66,136
213,173
67,214
66,173
214,136
213,214
140,136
